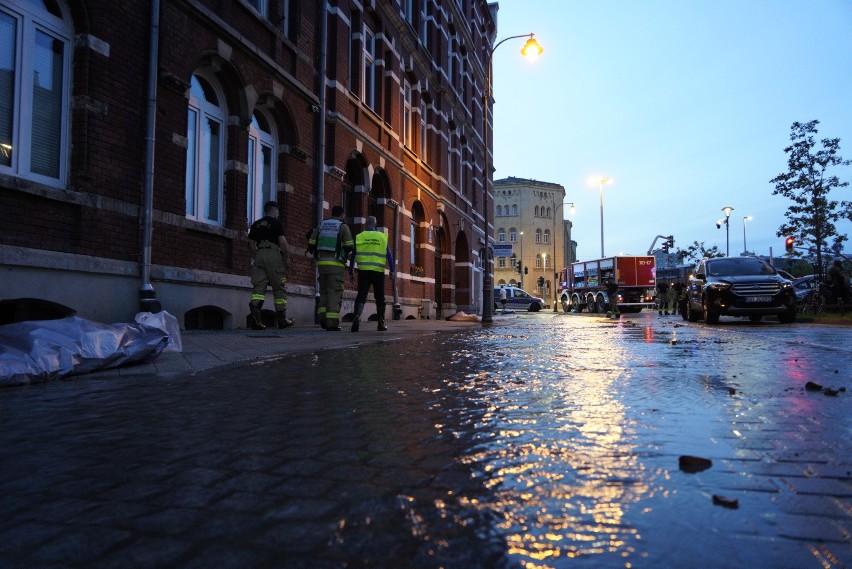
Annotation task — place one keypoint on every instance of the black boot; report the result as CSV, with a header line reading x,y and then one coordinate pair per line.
x,y
255,319
381,314
356,320
282,320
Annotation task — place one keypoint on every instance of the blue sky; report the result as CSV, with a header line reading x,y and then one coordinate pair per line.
x,y
685,104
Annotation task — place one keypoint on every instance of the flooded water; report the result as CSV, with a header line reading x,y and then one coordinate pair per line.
x,y
544,441
572,428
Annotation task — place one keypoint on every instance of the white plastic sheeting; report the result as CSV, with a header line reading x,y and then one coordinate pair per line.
x,y
40,350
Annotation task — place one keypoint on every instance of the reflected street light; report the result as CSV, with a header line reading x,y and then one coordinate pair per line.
x,y
600,182
531,49
745,247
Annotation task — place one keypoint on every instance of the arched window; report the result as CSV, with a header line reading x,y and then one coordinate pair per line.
x,y
514,210
501,234
499,210
548,212
513,235
538,261
538,235
547,236
261,165
205,152
35,60
536,211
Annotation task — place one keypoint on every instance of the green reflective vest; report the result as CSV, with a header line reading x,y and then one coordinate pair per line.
x,y
371,251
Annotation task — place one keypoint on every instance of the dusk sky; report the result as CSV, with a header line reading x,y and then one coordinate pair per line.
x,y
686,104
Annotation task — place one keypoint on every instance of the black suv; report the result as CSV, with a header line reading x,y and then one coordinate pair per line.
x,y
738,286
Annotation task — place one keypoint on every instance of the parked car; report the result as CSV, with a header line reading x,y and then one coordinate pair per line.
x,y
517,298
738,286
804,285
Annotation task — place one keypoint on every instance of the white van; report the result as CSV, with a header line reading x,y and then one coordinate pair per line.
x,y
517,298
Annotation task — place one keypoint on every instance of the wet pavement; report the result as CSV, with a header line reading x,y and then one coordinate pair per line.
x,y
543,441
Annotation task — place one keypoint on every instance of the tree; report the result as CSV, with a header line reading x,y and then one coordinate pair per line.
x,y
807,183
698,251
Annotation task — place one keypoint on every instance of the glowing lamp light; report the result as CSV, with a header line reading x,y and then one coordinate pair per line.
x,y
532,48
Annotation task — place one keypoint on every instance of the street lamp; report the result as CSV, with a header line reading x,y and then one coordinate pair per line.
x,y
521,259
745,247
727,221
600,182
531,49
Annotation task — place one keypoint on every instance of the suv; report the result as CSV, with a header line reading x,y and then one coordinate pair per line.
x,y
518,298
738,286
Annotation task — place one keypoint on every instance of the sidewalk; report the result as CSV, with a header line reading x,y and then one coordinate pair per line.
x,y
207,350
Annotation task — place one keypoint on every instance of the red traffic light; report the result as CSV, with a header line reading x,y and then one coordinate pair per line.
x,y
789,242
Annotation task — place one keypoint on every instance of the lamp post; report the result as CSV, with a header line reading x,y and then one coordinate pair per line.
x,y
521,259
562,236
727,211
531,49
600,182
745,247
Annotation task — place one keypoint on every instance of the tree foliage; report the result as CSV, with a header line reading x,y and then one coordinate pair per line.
x,y
698,251
807,183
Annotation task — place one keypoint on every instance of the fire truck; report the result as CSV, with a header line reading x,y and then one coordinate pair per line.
x,y
582,286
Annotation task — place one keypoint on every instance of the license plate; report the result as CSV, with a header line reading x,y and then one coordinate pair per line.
x,y
758,299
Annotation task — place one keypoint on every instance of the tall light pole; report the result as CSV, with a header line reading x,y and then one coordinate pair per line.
x,y
745,247
600,181
531,49
562,237
727,211
521,259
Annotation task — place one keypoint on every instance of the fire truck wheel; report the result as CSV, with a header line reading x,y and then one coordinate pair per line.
x,y
601,302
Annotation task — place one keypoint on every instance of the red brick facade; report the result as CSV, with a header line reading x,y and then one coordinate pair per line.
x,y
78,240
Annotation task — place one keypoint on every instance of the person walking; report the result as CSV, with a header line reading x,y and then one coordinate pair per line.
x,y
662,297
612,293
331,243
677,292
503,293
371,253
271,259
839,282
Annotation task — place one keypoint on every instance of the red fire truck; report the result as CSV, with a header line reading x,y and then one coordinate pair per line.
x,y
582,286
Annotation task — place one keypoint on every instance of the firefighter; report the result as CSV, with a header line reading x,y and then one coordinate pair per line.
x,y
612,293
271,259
371,253
331,243
662,297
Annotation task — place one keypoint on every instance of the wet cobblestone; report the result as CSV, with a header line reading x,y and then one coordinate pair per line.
x,y
548,441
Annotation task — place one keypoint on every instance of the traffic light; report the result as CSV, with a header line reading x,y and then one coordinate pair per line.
x,y
790,242
541,282
670,241
665,246
526,270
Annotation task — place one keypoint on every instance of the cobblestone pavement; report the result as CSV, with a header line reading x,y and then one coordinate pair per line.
x,y
381,454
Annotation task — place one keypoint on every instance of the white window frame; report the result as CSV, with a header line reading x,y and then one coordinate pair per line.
x,y
546,236
261,175
198,155
369,70
407,116
501,235
538,235
29,26
513,235
424,133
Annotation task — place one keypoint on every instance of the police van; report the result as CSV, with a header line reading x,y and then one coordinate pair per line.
x,y
517,299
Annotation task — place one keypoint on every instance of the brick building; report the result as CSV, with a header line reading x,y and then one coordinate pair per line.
x,y
139,140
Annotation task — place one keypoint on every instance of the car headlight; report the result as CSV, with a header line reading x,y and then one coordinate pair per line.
x,y
719,287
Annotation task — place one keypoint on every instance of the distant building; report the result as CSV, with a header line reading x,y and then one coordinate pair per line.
x,y
128,182
528,214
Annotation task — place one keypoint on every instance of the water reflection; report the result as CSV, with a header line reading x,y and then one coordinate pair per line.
x,y
556,445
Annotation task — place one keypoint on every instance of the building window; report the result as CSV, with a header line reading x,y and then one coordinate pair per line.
x,y
538,261
424,29
260,6
205,152
408,11
538,235
499,210
288,20
501,234
407,118
424,132
547,236
35,59
535,213
368,89
501,262
514,210
513,235
261,166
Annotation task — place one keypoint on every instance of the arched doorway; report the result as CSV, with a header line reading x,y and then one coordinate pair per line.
x,y
462,274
